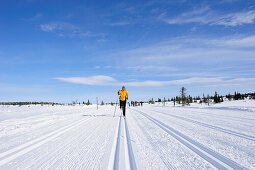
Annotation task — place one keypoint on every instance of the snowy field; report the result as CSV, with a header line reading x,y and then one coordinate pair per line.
x,y
220,136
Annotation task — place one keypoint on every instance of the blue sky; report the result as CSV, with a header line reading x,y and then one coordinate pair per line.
x,y
67,50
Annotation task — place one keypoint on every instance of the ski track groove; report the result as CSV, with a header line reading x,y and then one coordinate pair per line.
x,y
22,149
157,149
184,164
153,152
114,157
24,161
75,159
45,162
206,114
231,132
117,151
230,117
211,156
66,151
94,150
38,131
131,158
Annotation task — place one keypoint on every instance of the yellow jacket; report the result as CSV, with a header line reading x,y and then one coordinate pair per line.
x,y
123,95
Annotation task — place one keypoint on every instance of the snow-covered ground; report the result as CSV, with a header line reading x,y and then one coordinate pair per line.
x,y
220,136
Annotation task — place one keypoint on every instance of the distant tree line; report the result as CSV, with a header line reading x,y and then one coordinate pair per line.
x,y
86,103
29,103
185,99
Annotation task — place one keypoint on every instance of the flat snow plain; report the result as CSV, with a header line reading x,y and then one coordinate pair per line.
x,y
221,136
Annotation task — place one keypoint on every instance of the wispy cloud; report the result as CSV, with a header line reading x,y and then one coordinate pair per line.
x,y
195,48
63,29
183,56
33,18
58,26
48,27
102,80
239,42
99,80
8,88
121,23
151,67
235,19
228,1
207,16
193,80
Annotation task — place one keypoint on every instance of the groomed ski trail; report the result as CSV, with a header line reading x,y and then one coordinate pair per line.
x,y
114,161
18,151
150,137
217,160
170,160
231,132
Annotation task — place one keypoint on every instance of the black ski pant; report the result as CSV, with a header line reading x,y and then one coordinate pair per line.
x,y
123,107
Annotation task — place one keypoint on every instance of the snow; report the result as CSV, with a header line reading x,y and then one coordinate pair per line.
x,y
219,136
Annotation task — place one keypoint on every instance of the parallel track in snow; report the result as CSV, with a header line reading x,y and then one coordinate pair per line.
x,y
22,149
231,132
115,152
161,150
114,157
131,160
77,140
217,160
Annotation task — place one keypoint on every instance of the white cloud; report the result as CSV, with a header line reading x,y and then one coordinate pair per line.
x,y
121,23
207,16
246,80
183,57
151,68
102,80
59,26
33,18
99,80
8,88
235,19
193,80
186,48
48,27
63,29
236,42
228,1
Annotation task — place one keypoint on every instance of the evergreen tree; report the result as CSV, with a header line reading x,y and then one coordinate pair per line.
x,y
229,97
216,98
190,99
151,101
88,102
183,95
204,98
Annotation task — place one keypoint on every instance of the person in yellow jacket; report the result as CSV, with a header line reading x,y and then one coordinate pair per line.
x,y
123,99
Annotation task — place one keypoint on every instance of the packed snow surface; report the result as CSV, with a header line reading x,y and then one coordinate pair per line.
x,y
220,136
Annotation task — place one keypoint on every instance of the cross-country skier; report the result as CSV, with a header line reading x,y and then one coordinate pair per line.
x,y
123,99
